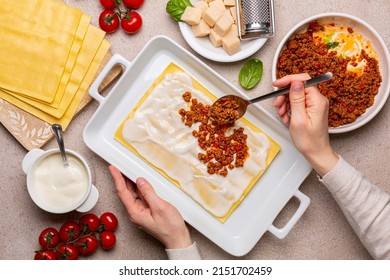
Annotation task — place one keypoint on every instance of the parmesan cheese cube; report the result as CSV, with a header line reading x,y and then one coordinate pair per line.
x,y
233,31
227,13
200,30
218,4
223,25
211,15
191,15
215,39
233,11
231,44
229,2
201,5
208,1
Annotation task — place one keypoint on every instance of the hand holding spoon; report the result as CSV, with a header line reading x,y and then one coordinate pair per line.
x,y
57,129
230,108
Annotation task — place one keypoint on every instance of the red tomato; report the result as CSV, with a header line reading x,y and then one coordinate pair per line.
x,y
109,21
133,4
108,4
132,22
45,255
49,238
69,231
109,221
87,244
67,252
107,240
89,222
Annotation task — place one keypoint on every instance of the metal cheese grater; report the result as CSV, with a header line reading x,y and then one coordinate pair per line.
x,y
255,18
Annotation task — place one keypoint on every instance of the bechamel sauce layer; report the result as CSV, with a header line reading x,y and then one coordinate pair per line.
x,y
158,134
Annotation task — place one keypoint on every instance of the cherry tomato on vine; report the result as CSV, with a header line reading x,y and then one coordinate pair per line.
x,y
87,244
45,255
107,240
109,21
67,252
133,4
108,4
132,22
89,222
69,231
109,221
49,238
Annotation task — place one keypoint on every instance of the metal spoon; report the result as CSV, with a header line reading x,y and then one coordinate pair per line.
x,y
57,129
243,104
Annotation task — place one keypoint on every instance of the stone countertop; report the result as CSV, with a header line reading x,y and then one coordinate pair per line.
x,y
321,233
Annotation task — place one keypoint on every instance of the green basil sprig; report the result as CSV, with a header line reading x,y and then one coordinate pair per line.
x,y
176,8
250,74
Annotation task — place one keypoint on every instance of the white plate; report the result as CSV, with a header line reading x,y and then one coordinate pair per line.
x,y
254,216
378,44
204,47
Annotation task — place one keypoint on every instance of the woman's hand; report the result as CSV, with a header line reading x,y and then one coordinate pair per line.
x,y
306,110
151,213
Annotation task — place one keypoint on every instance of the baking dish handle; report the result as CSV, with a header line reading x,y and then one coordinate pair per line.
x,y
114,60
304,203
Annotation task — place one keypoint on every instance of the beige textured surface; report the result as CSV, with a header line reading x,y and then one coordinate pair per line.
x,y
322,232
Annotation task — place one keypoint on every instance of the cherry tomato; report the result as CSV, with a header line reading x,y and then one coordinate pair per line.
x,y
109,21
67,252
89,222
69,231
107,240
49,238
108,4
132,22
133,4
87,244
109,221
45,255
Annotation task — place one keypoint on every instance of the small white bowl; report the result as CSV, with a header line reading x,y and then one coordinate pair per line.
x,y
73,198
377,43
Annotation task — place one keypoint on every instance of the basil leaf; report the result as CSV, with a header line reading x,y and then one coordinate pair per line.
x,y
176,8
250,74
332,45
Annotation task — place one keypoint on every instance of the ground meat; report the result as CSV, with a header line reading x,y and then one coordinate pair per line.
x,y
349,93
224,147
224,111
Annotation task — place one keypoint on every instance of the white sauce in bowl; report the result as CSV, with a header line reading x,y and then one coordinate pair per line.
x,y
58,185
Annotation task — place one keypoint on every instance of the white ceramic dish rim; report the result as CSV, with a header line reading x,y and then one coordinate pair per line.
x,y
384,63
256,213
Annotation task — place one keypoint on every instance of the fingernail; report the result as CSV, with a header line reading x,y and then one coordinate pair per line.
x,y
141,182
296,86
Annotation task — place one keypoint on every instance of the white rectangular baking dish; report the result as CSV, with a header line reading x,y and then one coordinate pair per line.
x,y
255,215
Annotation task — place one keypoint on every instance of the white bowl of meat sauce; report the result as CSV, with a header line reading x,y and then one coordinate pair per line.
x,y
356,55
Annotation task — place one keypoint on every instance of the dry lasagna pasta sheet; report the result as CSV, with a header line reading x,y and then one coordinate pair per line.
x,y
49,59
154,131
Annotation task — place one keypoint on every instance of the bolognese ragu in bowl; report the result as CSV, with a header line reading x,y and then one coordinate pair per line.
x,y
356,55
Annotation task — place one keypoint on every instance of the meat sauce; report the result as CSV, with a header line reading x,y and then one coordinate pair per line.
x,y
350,92
224,149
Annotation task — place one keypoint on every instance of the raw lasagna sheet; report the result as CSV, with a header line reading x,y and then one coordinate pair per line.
x,y
34,35
208,190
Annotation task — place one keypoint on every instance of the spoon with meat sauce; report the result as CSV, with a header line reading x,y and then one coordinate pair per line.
x,y
229,108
